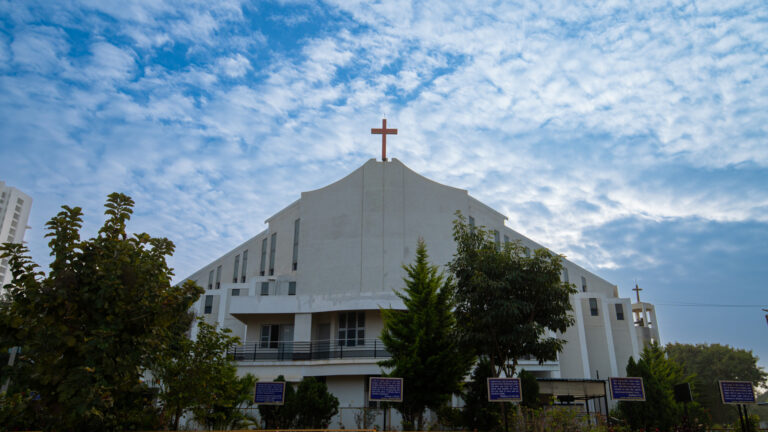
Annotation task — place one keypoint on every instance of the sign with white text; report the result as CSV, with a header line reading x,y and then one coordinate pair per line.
x,y
627,389
269,393
382,389
737,392
504,390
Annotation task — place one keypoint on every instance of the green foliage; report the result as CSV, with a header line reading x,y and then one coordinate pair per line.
x,y
506,302
91,327
422,341
479,414
310,406
660,374
711,363
530,389
195,376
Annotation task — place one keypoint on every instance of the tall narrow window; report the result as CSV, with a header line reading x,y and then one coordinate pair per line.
x,y
218,277
210,280
270,336
237,269
208,304
593,306
497,239
506,240
291,288
583,284
296,244
263,257
272,246
471,223
619,312
566,279
245,263
265,288
352,328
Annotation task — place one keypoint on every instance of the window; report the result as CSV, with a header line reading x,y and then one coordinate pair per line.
x,y
583,284
245,263
218,277
210,280
506,240
265,288
593,306
471,223
208,304
291,288
263,256
235,292
352,328
527,251
270,336
272,246
497,239
566,279
296,244
619,312
237,269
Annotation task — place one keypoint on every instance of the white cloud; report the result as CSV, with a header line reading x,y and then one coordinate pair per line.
x,y
234,67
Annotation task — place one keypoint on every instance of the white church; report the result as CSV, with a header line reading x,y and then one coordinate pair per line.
x,y
305,294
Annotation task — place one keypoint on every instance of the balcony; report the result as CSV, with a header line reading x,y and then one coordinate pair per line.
x,y
302,351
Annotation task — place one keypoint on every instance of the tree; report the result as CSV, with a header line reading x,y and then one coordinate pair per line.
x,y
506,301
195,376
422,341
479,413
91,327
660,374
310,406
711,363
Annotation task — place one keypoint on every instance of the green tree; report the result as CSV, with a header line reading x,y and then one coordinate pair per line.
x,y
660,374
309,406
422,342
196,377
711,363
507,301
479,413
91,327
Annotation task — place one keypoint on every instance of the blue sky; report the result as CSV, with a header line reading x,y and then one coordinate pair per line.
x,y
629,136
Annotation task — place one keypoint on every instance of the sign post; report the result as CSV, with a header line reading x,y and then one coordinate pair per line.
x,y
504,390
384,389
739,393
269,393
627,389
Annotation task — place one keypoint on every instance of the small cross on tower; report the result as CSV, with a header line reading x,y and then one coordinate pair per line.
x,y
383,132
637,290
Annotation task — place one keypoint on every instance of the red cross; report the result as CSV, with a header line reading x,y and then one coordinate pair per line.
x,y
384,132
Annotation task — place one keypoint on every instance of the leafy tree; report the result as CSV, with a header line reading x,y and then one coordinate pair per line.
x,y
422,341
309,406
530,389
506,301
195,376
315,406
479,413
91,327
711,363
660,374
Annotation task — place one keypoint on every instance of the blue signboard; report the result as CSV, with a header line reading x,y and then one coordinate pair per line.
x,y
385,389
737,392
269,393
504,390
627,389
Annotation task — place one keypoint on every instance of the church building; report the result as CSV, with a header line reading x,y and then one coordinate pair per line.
x,y
305,294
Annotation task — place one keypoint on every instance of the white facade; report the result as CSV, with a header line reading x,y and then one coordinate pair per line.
x,y
14,214
307,301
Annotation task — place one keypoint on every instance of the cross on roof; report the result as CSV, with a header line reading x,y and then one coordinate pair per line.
x,y
637,290
383,132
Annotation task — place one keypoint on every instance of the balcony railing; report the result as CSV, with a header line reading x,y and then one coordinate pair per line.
x,y
315,350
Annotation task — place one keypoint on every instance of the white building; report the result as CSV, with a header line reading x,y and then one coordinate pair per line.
x,y
304,295
14,214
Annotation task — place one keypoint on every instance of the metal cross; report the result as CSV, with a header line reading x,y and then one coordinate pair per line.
x,y
383,132
637,289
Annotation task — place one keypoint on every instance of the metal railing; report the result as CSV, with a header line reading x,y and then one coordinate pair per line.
x,y
315,350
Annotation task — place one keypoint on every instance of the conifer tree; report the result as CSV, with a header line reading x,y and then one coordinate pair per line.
x,y
422,341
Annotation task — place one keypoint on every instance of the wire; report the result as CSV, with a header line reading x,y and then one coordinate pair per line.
x,y
711,305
